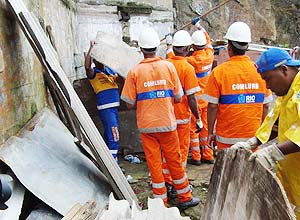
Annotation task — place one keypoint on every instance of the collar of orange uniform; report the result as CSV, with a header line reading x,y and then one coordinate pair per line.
x,y
149,60
177,58
198,52
240,58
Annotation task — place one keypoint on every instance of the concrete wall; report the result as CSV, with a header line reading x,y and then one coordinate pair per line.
x,y
22,89
93,16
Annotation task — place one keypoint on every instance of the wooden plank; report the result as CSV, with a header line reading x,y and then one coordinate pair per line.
x,y
244,190
48,57
88,211
75,209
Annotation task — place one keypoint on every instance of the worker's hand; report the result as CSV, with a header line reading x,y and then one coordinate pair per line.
x,y
199,125
196,21
211,140
268,156
92,43
247,145
169,39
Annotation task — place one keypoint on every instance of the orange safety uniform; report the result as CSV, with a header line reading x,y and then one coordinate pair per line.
x,y
152,85
240,93
186,74
202,61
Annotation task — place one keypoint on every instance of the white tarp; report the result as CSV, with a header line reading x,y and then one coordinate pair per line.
x,y
48,163
115,53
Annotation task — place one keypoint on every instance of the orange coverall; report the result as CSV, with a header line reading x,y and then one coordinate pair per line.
x,y
186,74
202,61
152,86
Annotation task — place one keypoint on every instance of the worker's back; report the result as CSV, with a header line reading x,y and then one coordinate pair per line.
x,y
186,74
240,92
155,83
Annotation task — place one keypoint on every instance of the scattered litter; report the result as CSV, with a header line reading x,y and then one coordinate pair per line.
x,y
129,179
120,209
132,159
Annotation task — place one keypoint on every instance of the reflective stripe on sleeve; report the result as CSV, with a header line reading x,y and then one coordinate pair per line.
x,y
192,91
128,100
210,99
164,160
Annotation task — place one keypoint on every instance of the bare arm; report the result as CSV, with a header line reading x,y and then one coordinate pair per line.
x,y
130,106
88,61
212,111
288,147
193,105
265,111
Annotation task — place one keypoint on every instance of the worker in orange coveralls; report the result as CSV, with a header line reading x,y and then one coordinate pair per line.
x,y
202,60
236,93
186,73
153,85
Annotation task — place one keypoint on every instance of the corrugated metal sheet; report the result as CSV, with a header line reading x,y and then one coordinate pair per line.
x,y
49,164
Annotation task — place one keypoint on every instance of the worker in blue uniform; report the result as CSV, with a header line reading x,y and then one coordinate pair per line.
x,y
104,82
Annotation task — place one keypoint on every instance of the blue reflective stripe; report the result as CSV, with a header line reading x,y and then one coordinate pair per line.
x,y
242,98
201,75
155,94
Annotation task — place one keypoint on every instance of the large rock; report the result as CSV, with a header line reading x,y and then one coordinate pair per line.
x,y
272,22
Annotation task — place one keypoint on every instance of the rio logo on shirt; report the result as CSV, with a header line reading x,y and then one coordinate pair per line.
x,y
160,94
246,98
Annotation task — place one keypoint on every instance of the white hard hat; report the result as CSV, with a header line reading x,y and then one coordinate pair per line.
x,y
199,38
182,38
149,39
239,31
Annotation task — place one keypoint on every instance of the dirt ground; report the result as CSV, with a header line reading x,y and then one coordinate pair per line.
x,y
199,177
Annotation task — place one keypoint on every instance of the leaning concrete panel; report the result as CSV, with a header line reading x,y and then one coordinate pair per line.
x,y
243,190
49,164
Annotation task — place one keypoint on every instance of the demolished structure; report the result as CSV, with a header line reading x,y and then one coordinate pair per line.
x,y
68,148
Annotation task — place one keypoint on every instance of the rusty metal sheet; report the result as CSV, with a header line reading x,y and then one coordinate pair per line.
x,y
243,190
49,164
15,202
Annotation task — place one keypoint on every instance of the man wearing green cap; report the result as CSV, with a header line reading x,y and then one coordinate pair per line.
x,y
282,76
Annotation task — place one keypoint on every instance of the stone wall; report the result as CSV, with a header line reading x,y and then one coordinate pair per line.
x,y
22,89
